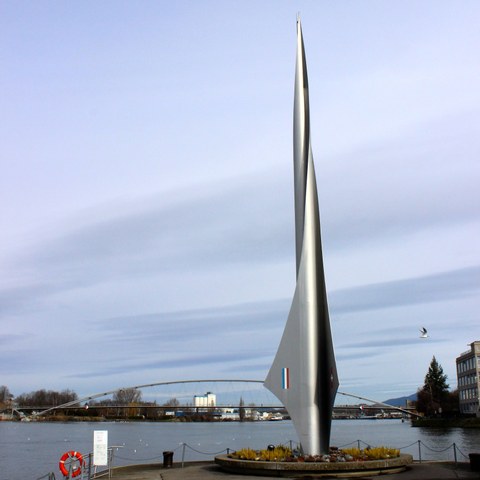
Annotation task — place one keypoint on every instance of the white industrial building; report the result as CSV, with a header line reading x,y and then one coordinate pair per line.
x,y
207,400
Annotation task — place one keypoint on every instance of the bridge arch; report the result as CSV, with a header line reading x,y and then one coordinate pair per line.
x,y
271,404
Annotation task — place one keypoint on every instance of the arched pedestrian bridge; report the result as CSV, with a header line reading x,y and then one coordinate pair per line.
x,y
204,395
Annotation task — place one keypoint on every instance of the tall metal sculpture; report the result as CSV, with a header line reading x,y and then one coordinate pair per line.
x,y
303,375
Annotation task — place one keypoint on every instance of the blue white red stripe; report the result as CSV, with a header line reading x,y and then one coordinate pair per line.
x,y
285,378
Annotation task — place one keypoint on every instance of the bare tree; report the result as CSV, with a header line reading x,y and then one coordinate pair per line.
x,y
173,402
126,396
46,398
5,396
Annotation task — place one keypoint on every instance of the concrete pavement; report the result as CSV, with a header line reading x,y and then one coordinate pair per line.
x,y
211,471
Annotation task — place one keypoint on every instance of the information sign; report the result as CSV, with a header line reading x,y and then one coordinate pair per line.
x,y
100,447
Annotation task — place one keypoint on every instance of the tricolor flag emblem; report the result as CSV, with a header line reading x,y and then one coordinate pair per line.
x,y
285,378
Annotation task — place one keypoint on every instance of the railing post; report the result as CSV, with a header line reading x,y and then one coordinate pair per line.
x,y
183,453
110,461
455,453
419,452
90,455
358,444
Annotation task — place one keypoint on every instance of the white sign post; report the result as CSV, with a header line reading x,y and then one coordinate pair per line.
x,y
100,448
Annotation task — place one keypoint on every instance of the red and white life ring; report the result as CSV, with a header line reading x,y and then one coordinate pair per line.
x,y
75,466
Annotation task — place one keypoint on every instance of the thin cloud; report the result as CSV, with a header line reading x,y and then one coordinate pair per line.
x,y
384,343
198,360
341,355
10,338
439,287
237,318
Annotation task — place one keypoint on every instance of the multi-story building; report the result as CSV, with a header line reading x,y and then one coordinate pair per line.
x,y
207,400
468,377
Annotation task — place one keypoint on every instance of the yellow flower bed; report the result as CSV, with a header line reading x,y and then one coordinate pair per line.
x,y
281,453
375,453
277,454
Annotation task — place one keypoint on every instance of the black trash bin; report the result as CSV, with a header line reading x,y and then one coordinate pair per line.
x,y
474,461
167,459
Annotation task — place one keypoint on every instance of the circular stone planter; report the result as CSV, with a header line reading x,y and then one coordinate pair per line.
x,y
319,469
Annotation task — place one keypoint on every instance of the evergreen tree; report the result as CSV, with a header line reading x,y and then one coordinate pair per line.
x,y
433,396
241,410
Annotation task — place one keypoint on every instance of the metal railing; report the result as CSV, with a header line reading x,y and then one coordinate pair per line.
x,y
453,447
89,470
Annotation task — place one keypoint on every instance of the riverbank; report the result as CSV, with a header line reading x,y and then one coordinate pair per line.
x,y
446,422
468,423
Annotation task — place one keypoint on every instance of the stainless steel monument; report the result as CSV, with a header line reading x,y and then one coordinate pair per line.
x,y
303,375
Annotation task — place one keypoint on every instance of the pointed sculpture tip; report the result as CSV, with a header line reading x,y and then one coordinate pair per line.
x,y
298,18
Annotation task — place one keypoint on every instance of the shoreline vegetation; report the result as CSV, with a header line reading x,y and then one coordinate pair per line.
x,y
461,422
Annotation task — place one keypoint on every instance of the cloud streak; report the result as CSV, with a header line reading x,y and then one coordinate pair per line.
x,y
444,286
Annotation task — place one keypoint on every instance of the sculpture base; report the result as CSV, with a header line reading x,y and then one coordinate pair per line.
x,y
319,469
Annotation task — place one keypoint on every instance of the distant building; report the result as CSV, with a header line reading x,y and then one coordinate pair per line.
x,y
468,377
230,414
207,400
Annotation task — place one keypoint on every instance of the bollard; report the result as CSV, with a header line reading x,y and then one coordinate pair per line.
x,y
183,453
167,459
474,462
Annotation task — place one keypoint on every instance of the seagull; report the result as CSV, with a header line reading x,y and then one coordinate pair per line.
x,y
423,332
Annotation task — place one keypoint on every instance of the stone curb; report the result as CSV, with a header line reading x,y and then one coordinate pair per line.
x,y
337,469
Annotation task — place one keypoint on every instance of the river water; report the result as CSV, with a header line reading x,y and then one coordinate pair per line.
x,y
31,450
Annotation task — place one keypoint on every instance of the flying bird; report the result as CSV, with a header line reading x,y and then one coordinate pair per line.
x,y
423,332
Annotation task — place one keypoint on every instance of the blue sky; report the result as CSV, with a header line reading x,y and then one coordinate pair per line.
x,y
147,193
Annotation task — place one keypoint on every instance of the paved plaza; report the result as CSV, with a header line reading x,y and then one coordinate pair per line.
x,y
210,471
